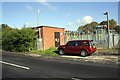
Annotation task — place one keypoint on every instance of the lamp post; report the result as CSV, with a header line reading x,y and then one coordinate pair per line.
x,y
106,13
38,11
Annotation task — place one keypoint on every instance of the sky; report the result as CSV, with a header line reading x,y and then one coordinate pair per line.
x,y
68,15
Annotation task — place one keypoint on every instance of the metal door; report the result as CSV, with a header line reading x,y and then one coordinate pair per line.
x,y
57,39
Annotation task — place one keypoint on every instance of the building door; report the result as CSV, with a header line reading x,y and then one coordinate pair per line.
x,y
57,39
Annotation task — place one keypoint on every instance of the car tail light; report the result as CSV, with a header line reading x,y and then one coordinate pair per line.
x,y
94,46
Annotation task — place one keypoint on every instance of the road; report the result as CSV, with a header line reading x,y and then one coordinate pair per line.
x,y
20,66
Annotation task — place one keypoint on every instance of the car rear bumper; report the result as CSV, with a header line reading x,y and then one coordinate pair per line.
x,y
92,51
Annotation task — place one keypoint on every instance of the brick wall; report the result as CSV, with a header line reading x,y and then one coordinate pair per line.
x,y
49,38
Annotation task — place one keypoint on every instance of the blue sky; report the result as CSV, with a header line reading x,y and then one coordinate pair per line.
x,y
68,15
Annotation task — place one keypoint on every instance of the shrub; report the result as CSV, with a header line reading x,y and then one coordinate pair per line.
x,y
18,40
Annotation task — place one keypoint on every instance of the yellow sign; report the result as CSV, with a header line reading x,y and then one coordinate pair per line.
x,y
67,37
99,34
75,36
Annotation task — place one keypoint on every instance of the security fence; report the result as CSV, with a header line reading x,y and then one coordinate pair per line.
x,y
100,38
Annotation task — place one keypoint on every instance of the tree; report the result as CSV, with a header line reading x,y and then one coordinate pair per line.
x,y
80,28
94,24
112,23
5,27
117,28
91,27
88,27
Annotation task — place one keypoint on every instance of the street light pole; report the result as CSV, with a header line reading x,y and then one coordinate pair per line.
x,y
38,11
106,13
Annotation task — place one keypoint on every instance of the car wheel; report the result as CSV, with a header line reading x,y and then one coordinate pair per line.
x,y
83,53
61,52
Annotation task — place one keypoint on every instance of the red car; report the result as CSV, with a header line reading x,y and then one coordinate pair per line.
x,y
82,47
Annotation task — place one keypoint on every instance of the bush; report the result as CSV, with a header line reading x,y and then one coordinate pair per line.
x,y
18,40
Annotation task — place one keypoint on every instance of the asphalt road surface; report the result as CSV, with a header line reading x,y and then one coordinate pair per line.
x,y
20,66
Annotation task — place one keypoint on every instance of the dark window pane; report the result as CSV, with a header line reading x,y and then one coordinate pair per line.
x,y
86,43
71,44
79,43
91,43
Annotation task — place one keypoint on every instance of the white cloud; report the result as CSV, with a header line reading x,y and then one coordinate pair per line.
x,y
70,24
78,21
85,20
45,3
29,7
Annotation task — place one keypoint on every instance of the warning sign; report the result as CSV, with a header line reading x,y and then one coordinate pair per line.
x,y
67,37
99,34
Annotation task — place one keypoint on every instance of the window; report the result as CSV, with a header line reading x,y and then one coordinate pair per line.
x,y
71,44
86,43
89,43
78,43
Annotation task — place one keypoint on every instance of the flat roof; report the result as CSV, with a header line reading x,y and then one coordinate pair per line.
x,y
47,26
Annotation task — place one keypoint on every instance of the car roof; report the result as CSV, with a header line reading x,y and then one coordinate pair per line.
x,y
80,40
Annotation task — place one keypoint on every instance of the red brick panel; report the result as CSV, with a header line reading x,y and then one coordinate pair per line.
x,y
48,36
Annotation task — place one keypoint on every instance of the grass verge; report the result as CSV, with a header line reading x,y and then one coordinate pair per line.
x,y
50,51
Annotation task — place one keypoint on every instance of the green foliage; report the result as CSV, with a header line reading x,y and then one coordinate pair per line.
x,y
49,51
91,27
18,40
5,27
117,28
88,27
112,23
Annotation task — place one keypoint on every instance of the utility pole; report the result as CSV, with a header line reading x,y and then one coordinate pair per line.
x,y
106,13
37,17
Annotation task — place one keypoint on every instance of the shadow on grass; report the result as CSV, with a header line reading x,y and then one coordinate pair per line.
x,y
57,52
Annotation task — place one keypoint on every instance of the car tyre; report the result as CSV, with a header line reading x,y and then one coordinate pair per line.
x,y
83,53
61,52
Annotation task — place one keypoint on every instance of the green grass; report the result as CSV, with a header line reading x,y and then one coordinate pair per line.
x,y
49,51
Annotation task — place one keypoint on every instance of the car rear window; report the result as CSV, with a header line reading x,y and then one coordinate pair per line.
x,y
89,43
